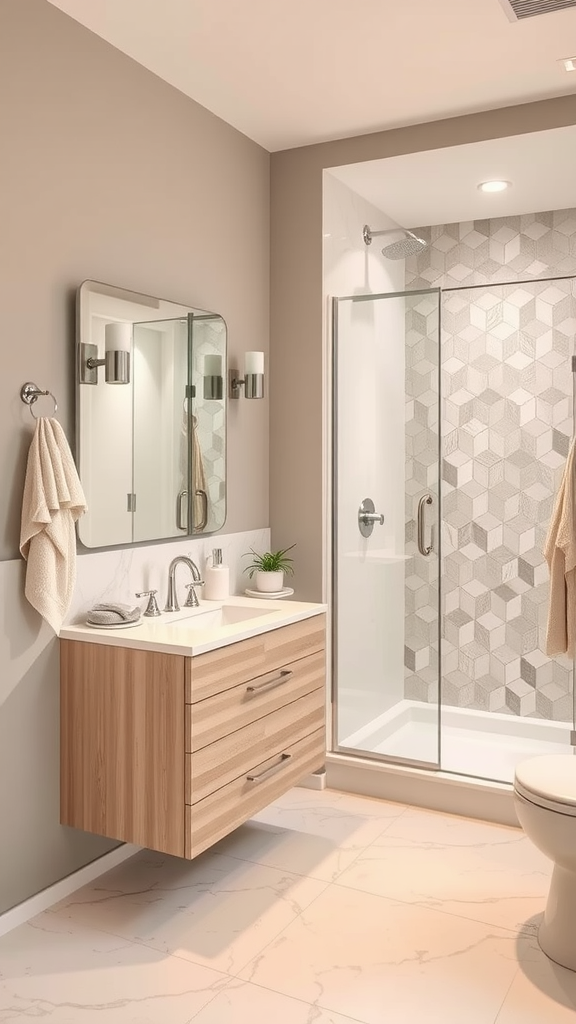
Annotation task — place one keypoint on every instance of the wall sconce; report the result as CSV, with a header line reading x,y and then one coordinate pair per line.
x,y
253,380
116,362
213,380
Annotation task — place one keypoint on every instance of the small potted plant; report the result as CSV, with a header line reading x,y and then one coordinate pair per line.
x,y
268,569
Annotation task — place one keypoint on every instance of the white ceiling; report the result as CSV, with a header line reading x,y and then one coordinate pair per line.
x,y
440,186
292,72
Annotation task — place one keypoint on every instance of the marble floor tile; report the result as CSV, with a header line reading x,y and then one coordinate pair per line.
x,y
243,1003
62,973
217,911
317,834
484,872
541,993
376,961
327,908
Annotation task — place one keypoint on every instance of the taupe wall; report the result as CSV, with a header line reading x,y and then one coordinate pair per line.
x,y
107,173
296,417
111,174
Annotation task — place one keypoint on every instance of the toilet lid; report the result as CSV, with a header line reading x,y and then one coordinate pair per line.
x,y
548,781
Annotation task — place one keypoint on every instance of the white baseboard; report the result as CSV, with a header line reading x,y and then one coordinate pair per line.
x,y
45,899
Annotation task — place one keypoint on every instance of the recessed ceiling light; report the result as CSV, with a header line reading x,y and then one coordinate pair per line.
x,y
494,186
568,63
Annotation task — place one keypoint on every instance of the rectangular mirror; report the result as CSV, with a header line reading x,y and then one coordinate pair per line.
x,y
150,417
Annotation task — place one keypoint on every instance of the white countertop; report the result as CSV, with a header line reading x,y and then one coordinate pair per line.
x,y
187,633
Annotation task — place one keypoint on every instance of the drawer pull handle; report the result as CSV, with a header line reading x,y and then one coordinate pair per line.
x,y
284,760
270,683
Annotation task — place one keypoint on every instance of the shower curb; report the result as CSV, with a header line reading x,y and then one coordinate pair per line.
x,y
436,791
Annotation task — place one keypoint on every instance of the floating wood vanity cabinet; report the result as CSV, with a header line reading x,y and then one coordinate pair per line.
x,y
173,752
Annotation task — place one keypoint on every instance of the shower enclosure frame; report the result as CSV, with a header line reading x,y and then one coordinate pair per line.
x,y
362,756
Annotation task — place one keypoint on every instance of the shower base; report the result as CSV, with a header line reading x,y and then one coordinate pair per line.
x,y
482,744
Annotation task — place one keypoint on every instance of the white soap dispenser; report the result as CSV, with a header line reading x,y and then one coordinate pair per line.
x,y
216,578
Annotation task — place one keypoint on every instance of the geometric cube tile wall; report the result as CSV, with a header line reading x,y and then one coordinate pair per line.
x,y
421,628
506,424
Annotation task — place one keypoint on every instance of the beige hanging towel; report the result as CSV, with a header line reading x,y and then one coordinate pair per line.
x,y
200,504
199,481
53,501
560,553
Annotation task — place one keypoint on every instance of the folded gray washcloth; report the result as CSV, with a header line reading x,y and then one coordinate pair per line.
x,y
112,614
125,611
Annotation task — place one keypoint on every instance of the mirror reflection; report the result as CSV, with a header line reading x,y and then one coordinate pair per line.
x,y
150,417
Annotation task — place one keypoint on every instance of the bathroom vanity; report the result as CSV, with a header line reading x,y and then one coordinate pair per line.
x,y
176,731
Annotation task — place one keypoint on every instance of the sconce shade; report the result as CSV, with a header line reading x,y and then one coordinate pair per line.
x,y
212,366
254,362
118,337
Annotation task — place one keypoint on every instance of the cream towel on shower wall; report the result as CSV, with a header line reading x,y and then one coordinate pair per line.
x,y
200,507
560,553
53,500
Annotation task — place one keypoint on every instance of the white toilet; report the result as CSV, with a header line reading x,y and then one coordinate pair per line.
x,y
545,798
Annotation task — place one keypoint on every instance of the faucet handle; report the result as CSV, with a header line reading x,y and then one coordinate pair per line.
x,y
152,606
192,598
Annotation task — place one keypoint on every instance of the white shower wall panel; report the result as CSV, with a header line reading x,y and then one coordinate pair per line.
x,y
149,467
370,460
370,464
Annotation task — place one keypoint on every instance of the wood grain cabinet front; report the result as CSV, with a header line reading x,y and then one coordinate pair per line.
x,y
218,814
209,720
172,753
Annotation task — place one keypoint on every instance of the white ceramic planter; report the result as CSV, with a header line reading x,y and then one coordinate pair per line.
x,y
269,582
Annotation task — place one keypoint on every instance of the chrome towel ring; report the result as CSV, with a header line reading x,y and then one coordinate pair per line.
x,y
30,393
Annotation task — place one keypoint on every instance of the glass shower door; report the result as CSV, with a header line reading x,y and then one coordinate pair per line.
x,y
386,515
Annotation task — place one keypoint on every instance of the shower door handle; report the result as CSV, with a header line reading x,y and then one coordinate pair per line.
x,y
204,521
424,549
181,523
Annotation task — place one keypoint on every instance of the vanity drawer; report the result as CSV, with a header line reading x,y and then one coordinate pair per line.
x,y
221,812
211,719
216,671
216,765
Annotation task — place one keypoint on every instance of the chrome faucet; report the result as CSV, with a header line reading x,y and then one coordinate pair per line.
x,y
197,581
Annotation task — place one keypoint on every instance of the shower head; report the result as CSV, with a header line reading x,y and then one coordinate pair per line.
x,y
410,245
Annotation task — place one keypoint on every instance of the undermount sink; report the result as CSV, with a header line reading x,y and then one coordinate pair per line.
x,y
213,618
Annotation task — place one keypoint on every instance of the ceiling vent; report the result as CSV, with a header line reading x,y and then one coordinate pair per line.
x,y
517,10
